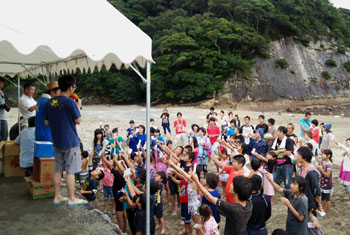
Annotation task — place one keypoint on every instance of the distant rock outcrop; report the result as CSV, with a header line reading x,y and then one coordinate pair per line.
x,y
302,77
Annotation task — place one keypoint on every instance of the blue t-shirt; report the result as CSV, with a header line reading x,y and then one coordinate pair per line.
x,y
230,131
133,143
306,125
142,137
61,112
216,214
42,132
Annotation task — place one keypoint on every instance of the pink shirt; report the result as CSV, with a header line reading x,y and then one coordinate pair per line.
x,y
210,226
161,166
304,171
109,177
213,130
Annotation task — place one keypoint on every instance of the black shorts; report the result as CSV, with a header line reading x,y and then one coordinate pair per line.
x,y
174,189
119,206
158,211
185,216
326,197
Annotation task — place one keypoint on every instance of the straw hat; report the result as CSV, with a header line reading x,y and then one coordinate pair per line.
x,y
52,85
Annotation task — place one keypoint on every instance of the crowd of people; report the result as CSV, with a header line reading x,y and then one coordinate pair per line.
x,y
252,163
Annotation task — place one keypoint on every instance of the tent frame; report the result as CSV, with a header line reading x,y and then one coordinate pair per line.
x,y
147,81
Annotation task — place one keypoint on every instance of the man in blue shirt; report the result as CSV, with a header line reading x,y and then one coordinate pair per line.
x,y
62,114
305,124
43,132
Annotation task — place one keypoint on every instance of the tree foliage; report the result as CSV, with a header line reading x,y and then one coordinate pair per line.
x,y
199,44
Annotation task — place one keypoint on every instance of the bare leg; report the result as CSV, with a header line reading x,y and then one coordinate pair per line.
x,y
197,220
106,206
57,186
162,225
120,218
188,228
328,208
70,181
173,204
113,205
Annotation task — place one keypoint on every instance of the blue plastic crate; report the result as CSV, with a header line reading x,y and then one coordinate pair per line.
x,y
43,149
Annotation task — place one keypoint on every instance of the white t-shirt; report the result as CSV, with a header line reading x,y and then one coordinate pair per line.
x,y
314,146
25,102
224,120
246,130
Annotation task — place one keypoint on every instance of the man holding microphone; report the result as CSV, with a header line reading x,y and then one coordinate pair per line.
x,y
62,114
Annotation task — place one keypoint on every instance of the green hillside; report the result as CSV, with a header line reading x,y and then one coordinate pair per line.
x,y
199,44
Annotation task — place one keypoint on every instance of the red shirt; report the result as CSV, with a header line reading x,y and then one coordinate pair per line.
x,y
316,135
213,130
182,126
232,174
183,192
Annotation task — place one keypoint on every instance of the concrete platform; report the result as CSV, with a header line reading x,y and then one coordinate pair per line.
x,y
20,214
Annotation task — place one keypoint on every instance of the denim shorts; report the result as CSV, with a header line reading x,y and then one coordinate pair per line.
x,y
108,192
185,216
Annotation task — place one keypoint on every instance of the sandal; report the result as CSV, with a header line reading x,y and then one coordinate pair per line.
x,y
64,200
80,202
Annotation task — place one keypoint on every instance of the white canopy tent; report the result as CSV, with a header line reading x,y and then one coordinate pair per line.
x,y
51,37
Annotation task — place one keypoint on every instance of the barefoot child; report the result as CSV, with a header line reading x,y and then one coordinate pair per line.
x,y
297,203
326,183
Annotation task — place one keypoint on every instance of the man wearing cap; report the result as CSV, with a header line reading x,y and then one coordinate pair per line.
x,y
26,104
43,132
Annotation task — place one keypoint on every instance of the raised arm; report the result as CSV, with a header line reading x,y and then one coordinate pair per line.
x,y
205,192
178,169
217,162
258,156
275,186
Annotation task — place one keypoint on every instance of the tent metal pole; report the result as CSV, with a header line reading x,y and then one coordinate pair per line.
x,y
18,97
148,109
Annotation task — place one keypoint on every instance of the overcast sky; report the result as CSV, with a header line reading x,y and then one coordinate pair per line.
x,y
341,3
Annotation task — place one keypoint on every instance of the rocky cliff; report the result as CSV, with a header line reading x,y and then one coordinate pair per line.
x,y
300,83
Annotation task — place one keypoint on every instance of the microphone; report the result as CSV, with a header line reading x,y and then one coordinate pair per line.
x,y
76,98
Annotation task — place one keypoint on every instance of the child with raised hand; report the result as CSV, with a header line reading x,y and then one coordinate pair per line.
x,y
193,202
326,184
117,170
234,171
212,182
255,164
183,183
223,176
161,179
238,213
107,183
344,172
209,226
297,203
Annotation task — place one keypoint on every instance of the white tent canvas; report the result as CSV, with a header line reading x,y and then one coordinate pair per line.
x,y
49,36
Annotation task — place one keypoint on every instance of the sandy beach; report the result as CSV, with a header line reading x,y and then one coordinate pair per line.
x,y
338,221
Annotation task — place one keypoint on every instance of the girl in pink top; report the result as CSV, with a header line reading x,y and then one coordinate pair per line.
x,y
107,183
223,176
210,227
194,145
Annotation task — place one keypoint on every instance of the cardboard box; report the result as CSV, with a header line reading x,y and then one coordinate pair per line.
x,y
9,148
43,149
39,190
10,159
44,169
